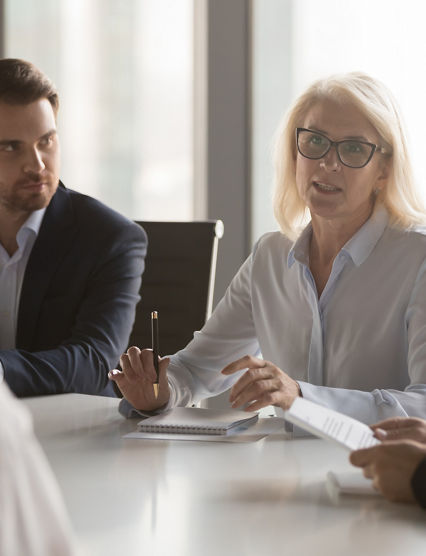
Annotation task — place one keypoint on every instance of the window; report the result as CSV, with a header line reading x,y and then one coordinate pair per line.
x,y
123,69
298,41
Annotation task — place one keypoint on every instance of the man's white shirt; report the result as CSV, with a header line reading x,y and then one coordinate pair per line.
x,y
12,270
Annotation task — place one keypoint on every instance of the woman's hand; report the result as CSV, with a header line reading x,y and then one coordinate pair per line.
x,y
261,385
391,465
401,428
137,376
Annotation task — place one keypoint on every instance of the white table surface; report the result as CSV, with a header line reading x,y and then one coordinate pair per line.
x,y
181,498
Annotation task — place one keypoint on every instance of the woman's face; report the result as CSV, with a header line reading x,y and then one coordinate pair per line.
x,y
331,190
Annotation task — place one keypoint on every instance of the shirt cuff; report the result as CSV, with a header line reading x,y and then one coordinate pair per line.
x,y
128,411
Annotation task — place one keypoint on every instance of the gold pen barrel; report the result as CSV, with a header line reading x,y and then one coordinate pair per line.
x,y
156,388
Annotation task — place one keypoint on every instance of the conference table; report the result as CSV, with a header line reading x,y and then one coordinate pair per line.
x,y
186,498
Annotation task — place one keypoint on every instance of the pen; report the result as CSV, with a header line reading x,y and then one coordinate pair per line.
x,y
154,334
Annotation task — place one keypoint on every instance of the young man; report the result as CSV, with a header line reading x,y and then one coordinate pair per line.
x,y
70,267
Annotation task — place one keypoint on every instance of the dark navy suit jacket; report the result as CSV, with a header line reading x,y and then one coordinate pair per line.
x,y
418,483
78,298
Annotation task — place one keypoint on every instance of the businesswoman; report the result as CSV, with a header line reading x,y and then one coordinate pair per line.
x,y
332,307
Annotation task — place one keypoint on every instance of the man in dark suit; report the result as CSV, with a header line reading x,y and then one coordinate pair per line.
x,y
70,267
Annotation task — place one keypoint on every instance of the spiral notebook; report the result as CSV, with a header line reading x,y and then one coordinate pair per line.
x,y
196,420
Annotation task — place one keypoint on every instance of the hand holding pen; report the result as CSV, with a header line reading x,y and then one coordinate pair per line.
x,y
138,377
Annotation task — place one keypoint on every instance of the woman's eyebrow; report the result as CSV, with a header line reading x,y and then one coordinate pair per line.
x,y
346,138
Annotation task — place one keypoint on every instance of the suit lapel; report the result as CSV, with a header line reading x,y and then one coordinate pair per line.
x,y
55,235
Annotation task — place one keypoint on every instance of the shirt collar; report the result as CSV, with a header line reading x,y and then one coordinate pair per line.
x,y
358,247
300,250
32,224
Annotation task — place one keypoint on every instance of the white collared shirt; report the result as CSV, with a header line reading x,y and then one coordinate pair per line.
x,y
12,270
359,349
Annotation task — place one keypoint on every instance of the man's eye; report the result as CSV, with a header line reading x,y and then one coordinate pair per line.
x,y
8,147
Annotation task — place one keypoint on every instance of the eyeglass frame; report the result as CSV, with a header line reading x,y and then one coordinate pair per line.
x,y
375,148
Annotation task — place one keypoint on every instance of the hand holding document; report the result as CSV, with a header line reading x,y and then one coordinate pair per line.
x,y
341,429
331,425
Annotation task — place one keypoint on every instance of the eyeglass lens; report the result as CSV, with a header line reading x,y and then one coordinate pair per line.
x,y
351,153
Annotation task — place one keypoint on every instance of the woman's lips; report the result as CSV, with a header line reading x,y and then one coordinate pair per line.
x,y
326,187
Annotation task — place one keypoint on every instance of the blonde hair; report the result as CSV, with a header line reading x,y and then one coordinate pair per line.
x,y
377,104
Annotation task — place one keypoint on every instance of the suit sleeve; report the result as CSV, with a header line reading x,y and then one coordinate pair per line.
x,y
418,484
93,338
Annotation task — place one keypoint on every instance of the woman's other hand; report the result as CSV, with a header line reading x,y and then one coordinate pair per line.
x,y
261,385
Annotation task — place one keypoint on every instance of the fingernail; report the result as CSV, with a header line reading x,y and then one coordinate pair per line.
x,y
381,433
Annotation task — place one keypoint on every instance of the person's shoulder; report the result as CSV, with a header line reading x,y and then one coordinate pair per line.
x,y
405,245
413,237
273,242
418,232
92,213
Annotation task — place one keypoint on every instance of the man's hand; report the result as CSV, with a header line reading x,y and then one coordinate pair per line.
x,y
137,376
261,385
391,465
401,428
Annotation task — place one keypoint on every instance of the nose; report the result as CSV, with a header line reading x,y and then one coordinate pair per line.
x,y
34,163
330,161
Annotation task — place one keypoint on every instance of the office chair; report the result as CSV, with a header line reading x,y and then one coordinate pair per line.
x,y
178,282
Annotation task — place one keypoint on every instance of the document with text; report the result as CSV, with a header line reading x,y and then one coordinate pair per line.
x,y
331,425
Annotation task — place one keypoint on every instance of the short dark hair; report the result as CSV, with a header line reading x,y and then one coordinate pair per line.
x,y
22,83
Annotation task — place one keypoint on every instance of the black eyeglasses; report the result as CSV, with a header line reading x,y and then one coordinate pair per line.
x,y
352,153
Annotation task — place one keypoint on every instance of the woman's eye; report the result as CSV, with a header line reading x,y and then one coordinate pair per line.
x,y
354,148
316,139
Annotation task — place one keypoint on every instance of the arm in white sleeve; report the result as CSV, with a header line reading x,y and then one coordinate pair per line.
x,y
194,372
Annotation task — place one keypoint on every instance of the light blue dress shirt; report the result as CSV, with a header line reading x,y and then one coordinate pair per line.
x,y
12,270
360,348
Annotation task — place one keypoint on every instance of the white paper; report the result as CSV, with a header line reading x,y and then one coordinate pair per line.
x,y
331,425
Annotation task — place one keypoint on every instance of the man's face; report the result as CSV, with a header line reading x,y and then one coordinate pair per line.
x,y
29,157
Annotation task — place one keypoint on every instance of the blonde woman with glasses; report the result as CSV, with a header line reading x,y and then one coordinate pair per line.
x,y
332,307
